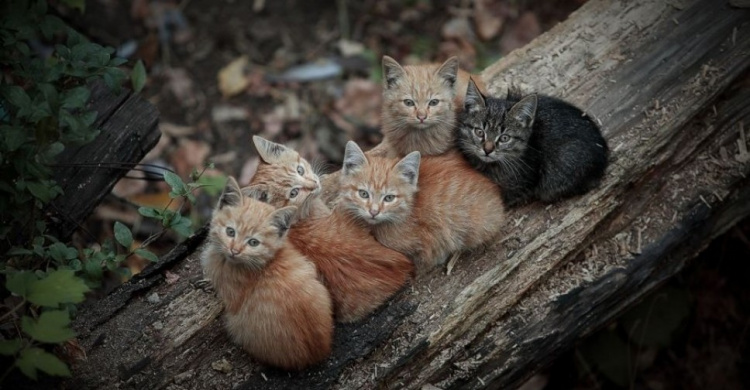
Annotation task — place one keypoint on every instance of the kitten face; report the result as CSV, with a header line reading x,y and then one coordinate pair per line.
x,y
419,96
378,190
247,231
492,130
289,178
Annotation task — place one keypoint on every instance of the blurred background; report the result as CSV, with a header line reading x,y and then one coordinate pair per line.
x,y
307,74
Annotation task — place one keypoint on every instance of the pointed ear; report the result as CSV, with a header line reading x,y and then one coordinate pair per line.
x,y
258,192
408,167
449,71
392,72
282,219
524,111
268,151
231,195
474,101
354,158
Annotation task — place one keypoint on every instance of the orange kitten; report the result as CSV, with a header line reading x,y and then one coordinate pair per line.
x,y
360,273
428,210
419,107
282,168
275,306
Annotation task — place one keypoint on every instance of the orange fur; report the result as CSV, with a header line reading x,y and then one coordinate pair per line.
x,y
276,308
359,272
439,206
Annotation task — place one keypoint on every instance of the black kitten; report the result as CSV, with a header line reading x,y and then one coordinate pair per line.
x,y
536,147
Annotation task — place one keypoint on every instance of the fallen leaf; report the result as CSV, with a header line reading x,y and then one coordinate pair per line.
x,y
171,277
189,154
225,113
487,19
180,84
359,105
128,187
248,170
176,130
522,31
458,28
157,200
232,79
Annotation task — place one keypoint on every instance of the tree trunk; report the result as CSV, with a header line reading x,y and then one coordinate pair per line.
x,y
669,83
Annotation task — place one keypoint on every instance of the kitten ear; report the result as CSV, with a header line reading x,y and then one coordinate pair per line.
x,y
282,219
268,151
392,72
449,71
474,101
258,192
354,158
524,111
231,195
408,167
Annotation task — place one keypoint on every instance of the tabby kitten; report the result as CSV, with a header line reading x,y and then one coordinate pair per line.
x,y
428,210
536,147
275,306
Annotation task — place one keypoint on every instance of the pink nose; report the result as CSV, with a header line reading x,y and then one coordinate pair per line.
x,y
421,118
374,212
235,252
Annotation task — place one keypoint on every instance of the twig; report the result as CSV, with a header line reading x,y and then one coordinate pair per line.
x,y
13,310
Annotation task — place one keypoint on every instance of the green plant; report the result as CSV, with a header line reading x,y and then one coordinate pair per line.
x,y
42,112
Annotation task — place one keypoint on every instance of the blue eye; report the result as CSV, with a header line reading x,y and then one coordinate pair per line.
x,y
389,198
434,102
230,232
300,170
293,193
253,242
363,194
409,103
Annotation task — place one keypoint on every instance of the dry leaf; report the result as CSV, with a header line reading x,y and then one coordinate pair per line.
x,y
181,86
487,18
232,78
127,187
248,170
157,200
189,154
176,130
171,277
523,31
225,113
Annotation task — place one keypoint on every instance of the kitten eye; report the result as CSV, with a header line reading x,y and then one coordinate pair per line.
x,y
293,193
253,242
300,170
479,133
504,138
230,232
389,198
363,194
434,102
409,103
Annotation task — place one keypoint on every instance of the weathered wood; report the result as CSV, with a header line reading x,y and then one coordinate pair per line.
x,y
669,84
128,125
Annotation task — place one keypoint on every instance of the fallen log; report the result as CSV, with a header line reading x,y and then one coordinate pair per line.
x,y
668,81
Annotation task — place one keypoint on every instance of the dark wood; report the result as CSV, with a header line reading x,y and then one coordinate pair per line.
x,y
128,125
669,84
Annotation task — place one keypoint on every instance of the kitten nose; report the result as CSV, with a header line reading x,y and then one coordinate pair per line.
x,y
488,147
374,212
235,252
421,117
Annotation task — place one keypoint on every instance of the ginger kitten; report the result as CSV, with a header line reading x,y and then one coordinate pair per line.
x,y
276,308
282,168
360,273
428,210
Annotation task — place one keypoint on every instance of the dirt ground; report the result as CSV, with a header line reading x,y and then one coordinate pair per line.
x,y
308,74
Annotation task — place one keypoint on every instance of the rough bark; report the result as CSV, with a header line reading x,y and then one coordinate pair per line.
x,y
669,82
87,173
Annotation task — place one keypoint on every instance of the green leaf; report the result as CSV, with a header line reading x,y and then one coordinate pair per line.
x,y
123,235
178,186
93,268
76,97
20,283
138,77
60,286
212,184
149,212
10,347
79,4
147,254
62,252
33,359
181,225
43,192
51,327
16,96
14,136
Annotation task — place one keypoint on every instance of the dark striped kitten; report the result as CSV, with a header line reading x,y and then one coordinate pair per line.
x,y
536,147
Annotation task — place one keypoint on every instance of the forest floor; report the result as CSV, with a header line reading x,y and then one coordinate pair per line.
x,y
307,74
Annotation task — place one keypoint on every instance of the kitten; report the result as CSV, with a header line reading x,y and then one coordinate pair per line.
x,y
282,168
275,306
418,107
536,147
428,210
360,273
